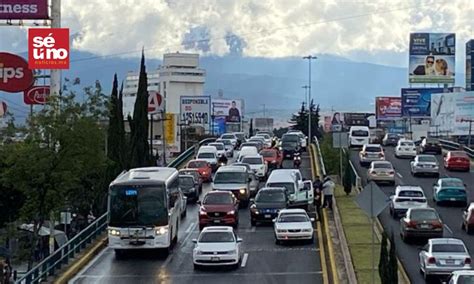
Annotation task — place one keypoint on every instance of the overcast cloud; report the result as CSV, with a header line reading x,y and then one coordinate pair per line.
x,y
258,28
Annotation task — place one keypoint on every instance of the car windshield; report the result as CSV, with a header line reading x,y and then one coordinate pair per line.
x,y
290,187
218,199
360,133
226,142
228,136
230,177
206,155
382,166
252,160
268,154
430,159
392,135
265,136
197,164
422,214
289,144
218,146
293,218
452,183
193,173
240,136
407,144
290,138
186,181
459,154
270,196
448,248
466,279
217,237
373,149
410,193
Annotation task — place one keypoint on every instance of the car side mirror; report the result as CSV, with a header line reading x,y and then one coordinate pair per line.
x,y
252,200
274,220
195,241
239,240
198,202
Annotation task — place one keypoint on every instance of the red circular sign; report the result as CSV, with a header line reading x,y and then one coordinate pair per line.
x,y
14,73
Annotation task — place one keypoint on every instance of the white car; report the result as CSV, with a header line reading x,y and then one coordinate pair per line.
x,y
257,164
405,197
293,224
267,138
220,148
462,276
229,147
425,164
405,148
217,246
442,256
231,137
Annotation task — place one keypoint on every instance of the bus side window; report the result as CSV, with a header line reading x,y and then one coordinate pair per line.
x,y
173,194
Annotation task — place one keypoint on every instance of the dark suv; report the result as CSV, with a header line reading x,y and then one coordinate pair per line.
x,y
430,145
290,144
266,205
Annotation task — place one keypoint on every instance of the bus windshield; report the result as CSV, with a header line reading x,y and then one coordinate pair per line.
x,y
137,206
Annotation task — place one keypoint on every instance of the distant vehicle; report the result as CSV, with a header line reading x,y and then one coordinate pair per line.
x,y
231,136
273,158
449,190
381,171
229,147
190,187
290,144
204,168
442,256
461,277
219,208
241,138
468,219
254,182
421,223
358,136
406,197
266,205
425,164
303,138
300,193
220,148
405,148
293,224
247,151
430,145
235,179
257,164
257,145
195,173
184,204
371,153
208,154
144,207
260,140
376,136
217,246
457,160
269,133
390,139
267,138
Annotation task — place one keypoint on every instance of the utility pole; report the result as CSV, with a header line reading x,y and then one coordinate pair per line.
x,y
470,129
309,57
55,80
305,87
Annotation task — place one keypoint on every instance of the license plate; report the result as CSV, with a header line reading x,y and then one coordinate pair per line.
x,y
450,261
452,199
215,259
406,149
267,216
217,221
425,226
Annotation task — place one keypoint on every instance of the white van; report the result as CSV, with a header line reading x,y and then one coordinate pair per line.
x,y
359,136
247,151
300,193
208,154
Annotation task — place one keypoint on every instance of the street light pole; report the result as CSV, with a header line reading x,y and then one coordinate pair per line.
x,y
305,87
309,57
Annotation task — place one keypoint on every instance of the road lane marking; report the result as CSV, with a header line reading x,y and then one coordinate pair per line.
x,y
89,265
399,175
449,229
190,227
244,260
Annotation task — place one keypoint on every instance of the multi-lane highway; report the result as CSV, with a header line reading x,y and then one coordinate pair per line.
x,y
451,216
263,261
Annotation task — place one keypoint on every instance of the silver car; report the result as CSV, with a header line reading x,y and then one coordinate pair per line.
x,y
443,256
381,171
370,153
425,164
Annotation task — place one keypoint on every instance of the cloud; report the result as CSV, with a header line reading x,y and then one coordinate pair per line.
x,y
257,28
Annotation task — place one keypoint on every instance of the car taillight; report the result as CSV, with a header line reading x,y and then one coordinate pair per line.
x,y
391,172
437,224
467,260
431,260
373,172
411,224
364,154
422,200
381,155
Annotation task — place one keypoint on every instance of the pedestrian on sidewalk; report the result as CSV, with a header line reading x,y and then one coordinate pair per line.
x,y
318,186
328,191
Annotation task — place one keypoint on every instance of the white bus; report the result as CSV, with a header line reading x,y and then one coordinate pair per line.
x,y
144,209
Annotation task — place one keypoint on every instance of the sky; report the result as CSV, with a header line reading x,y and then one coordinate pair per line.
x,y
375,31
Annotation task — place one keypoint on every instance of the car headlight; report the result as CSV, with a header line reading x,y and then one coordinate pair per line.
x,y
234,251
307,230
281,231
114,232
198,251
159,231
274,161
242,191
204,173
202,211
232,212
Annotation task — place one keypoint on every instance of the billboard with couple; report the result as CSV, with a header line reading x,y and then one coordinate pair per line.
x,y
432,58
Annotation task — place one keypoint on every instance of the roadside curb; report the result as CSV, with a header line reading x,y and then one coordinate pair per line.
x,y
80,263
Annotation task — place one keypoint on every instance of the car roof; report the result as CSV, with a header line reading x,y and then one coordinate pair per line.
x,y
457,153
185,176
188,170
198,160
426,155
218,229
252,156
405,140
263,189
372,145
232,168
218,192
381,162
214,143
450,179
409,187
446,241
293,211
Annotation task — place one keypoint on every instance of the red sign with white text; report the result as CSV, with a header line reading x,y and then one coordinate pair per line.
x,y
36,95
388,108
23,9
14,73
48,48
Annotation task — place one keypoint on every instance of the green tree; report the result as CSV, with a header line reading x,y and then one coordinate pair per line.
x,y
251,128
393,264
383,262
300,120
140,153
116,133
348,175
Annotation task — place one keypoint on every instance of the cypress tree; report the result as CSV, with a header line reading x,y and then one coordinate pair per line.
x,y
139,152
251,128
347,179
113,130
122,142
383,261
393,265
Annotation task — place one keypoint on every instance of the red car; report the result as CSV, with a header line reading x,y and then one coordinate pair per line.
x,y
468,219
457,160
219,208
273,158
203,167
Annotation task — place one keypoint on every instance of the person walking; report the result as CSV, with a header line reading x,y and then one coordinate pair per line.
x,y
318,186
328,191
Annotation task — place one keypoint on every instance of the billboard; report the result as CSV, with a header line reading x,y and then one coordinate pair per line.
x,y
432,58
231,109
448,111
388,108
36,95
196,111
327,123
357,118
48,48
469,72
416,102
23,9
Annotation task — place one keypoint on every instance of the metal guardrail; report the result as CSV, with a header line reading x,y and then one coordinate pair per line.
x,y
50,265
321,161
450,145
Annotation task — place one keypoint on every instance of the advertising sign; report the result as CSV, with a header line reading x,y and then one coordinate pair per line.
x,y
36,95
219,126
231,109
432,58
3,108
154,102
448,110
48,48
23,9
170,128
327,123
14,73
357,118
469,67
196,111
416,102
388,108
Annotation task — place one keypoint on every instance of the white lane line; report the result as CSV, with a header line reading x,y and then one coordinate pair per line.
x,y
244,260
253,229
449,229
399,175
89,265
190,227
189,234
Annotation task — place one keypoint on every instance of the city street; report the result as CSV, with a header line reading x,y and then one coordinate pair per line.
x,y
451,216
263,260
